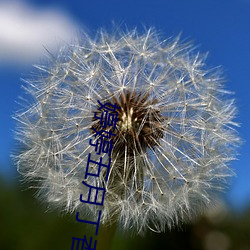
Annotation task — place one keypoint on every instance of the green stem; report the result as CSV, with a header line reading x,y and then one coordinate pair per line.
x,y
105,236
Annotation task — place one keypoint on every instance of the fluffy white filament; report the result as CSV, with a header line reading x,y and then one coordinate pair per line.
x,y
172,179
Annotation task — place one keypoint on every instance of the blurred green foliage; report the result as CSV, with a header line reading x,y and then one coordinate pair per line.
x,y
26,225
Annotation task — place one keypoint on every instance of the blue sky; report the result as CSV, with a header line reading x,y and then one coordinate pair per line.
x,y
221,27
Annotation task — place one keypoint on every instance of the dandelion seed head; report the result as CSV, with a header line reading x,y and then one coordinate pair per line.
x,y
175,134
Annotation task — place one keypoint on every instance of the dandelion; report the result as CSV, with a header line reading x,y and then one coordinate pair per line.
x,y
174,139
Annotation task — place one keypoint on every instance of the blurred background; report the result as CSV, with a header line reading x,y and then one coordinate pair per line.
x,y
29,28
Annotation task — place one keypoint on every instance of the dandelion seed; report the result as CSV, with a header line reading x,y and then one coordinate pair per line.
x,y
175,135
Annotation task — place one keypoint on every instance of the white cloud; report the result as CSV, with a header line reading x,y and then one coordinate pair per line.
x,y
25,31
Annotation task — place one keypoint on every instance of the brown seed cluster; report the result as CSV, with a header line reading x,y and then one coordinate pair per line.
x,y
139,126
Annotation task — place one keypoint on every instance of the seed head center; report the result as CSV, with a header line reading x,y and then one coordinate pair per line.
x,y
139,126
127,122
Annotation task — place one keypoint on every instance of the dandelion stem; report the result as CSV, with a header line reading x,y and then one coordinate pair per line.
x,y
105,236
